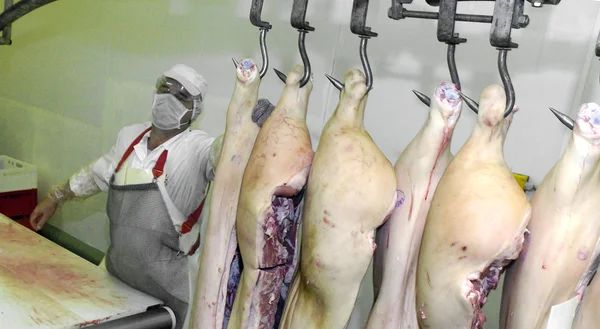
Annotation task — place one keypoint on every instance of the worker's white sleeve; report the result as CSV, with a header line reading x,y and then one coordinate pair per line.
x,y
95,177
213,157
82,183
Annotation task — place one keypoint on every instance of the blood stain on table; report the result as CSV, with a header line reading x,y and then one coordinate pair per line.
x,y
56,277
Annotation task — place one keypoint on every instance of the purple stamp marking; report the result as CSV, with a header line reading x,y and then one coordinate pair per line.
x,y
583,253
235,158
401,197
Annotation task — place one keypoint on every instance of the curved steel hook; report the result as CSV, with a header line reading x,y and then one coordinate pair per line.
x,y
455,80
508,86
263,52
305,61
304,56
452,65
364,59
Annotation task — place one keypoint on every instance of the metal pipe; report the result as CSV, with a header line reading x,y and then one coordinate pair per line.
x,y
458,17
19,10
153,318
534,3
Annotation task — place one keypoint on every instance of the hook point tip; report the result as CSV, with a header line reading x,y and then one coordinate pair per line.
x,y
280,75
335,82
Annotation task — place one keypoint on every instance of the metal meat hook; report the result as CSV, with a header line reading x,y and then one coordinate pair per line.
x,y
452,65
508,86
446,21
597,52
358,27
13,12
255,19
455,80
298,21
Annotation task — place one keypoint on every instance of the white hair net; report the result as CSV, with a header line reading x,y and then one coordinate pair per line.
x,y
193,82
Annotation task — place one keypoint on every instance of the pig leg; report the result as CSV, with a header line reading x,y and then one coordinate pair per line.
x,y
218,251
474,227
269,209
418,169
351,191
561,252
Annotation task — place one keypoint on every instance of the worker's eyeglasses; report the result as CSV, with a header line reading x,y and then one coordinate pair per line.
x,y
166,85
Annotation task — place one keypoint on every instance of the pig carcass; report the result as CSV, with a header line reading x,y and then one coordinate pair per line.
x,y
475,225
220,242
351,191
588,315
418,171
561,253
269,209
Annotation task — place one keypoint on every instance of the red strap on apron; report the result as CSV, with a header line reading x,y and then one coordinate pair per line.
x,y
157,171
194,247
190,222
130,148
192,219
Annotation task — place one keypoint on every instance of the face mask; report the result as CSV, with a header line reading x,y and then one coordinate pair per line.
x,y
167,112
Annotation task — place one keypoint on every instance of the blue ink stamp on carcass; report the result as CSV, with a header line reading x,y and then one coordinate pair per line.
x,y
400,199
247,64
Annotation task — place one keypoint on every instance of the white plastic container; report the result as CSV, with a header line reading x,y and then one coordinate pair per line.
x,y
16,175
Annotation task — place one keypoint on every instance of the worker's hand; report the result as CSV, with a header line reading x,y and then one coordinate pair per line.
x,y
43,212
261,111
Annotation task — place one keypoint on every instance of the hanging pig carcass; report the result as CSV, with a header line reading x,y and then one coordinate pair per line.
x,y
561,253
475,225
588,315
418,171
351,191
269,209
220,242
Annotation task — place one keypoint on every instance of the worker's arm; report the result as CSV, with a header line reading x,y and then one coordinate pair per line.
x,y
88,181
213,157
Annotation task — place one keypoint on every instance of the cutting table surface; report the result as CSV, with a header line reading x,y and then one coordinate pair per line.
x,y
43,285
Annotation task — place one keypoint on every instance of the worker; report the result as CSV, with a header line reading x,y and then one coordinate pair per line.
x,y
157,177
